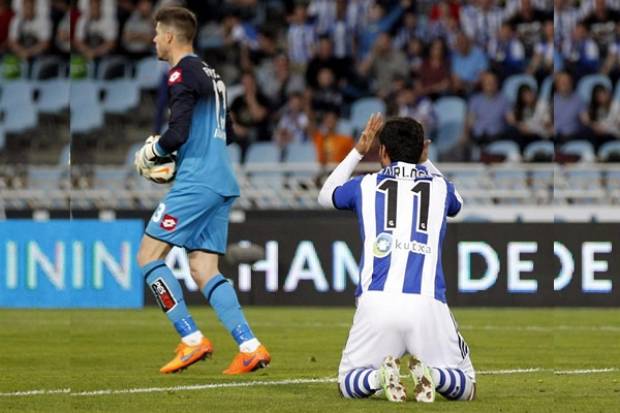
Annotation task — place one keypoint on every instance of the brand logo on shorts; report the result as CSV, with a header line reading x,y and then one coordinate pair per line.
x,y
175,77
163,295
169,223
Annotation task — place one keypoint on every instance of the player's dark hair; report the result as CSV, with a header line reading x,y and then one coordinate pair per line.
x,y
403,139
182,19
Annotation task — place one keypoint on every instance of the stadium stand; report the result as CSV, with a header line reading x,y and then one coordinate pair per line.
x,y
118,98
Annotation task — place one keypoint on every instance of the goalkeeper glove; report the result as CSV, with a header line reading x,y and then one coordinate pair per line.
x,y
146,155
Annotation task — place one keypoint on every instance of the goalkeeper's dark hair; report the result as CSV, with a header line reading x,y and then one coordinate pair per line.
x,y
182,19
403,139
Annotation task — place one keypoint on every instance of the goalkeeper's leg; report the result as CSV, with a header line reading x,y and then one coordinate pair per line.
x,y
221,295
167,291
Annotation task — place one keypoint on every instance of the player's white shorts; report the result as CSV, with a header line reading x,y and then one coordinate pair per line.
x,y
395,324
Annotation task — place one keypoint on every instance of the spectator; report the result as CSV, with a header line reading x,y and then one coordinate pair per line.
x,y
95,34
527,24
522,118
62,40
325,58
383,64
250,114
6,14
414,52
486,120
542,63
324,13
468,62
481,22
301,38
443,19
602,119
581,54
567,107
259,55
341,33
507,53
138,31
29,32
412,103
293,124
611,65
378,22
565,18
408,31
278,82
435,70
326,94
601,23
331,146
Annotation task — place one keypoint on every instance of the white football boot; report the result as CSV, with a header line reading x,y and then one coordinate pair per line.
x,y
389,374
423,386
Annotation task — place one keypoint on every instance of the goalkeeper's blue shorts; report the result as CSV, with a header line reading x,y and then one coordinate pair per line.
x,y
195,218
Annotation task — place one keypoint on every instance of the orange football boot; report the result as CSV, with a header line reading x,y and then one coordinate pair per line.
x,y
248,362
188,355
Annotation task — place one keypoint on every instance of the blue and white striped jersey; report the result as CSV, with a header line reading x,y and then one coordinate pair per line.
x,y
402,213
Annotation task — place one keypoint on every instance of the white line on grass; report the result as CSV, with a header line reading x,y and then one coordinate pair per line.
x,y
193,387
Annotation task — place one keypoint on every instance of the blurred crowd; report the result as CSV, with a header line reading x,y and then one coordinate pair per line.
x,y
295,68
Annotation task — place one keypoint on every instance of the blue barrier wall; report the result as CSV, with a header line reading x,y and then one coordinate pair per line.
x,y
65,264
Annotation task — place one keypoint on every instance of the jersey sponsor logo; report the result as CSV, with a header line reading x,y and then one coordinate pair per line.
x,y
383,245
163,295
169,223
175,77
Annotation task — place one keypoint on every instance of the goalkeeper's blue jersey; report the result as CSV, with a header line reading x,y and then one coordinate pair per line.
x,y
197,128
402,214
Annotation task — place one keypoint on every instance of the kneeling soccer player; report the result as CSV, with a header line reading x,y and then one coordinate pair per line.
x,y
194,214
401,300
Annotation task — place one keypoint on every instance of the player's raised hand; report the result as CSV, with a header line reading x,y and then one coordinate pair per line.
x,y
373,126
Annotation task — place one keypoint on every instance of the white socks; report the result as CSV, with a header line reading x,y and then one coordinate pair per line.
x,y
193,339
249,346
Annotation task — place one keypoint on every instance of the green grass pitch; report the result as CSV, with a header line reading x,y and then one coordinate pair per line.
x,y
106,351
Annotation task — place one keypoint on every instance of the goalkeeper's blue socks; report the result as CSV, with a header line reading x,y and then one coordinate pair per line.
x,y
167,290
453,384
220,293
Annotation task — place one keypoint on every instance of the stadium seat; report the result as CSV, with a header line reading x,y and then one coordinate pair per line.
x,y
300,152
149,73
513,83
110,177
451,112
609,152
120,96
53,96
16,93
587,83
263,152
48,67
131,152
84,92
545,89
580,148
508,149
344,127
44,177
539,151
86,118
234,153
114,67
509,178
20,117
362,109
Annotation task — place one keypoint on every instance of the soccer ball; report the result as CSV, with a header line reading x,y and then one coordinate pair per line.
x,y
163,170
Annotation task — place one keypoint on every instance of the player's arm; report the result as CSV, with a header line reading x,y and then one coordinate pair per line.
x,y
335,193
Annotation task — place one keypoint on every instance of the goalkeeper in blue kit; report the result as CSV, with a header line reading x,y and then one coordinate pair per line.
x,y
194,214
